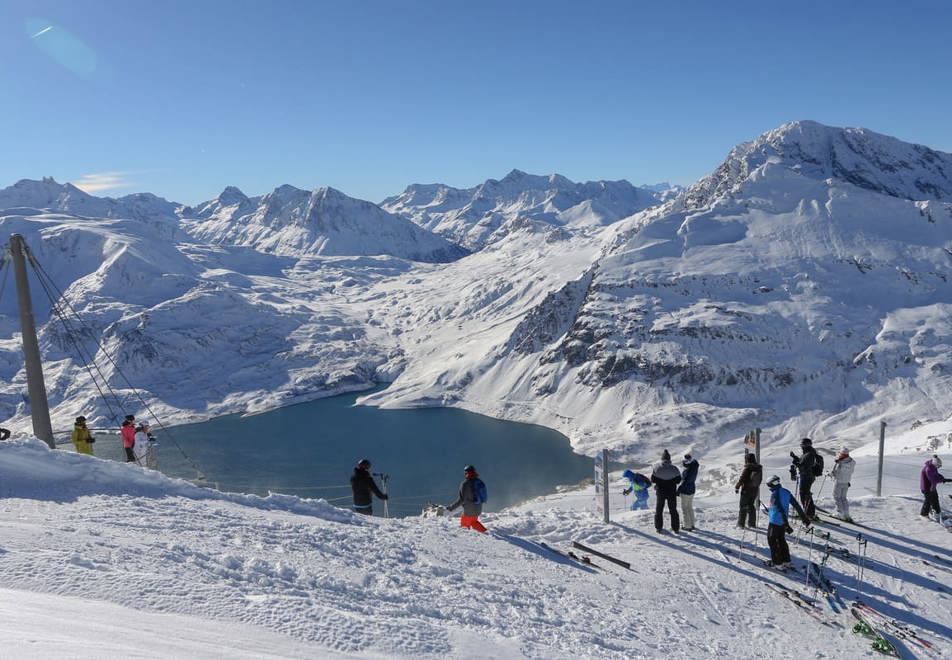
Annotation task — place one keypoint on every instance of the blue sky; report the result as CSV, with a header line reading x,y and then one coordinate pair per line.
x,y
182,98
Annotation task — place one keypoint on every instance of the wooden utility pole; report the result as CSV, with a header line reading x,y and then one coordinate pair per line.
x,y
39,406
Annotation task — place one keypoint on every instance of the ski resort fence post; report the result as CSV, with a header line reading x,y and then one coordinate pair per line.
x,y
882,445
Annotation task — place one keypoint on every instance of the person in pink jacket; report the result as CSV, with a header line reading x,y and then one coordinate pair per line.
x,y
128,433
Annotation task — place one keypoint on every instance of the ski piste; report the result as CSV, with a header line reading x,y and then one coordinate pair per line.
x,y
864,627
897,628
803,604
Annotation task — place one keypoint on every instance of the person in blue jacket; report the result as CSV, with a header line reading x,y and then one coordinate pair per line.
x,y
686,491
779,523
637,484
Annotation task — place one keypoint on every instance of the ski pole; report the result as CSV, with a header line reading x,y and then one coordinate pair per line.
x,y
806,584
820,492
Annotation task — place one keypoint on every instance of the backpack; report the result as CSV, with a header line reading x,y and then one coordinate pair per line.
x,y
817,465
754,479
479,491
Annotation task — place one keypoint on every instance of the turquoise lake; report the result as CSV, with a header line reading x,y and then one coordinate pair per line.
x,y
310,450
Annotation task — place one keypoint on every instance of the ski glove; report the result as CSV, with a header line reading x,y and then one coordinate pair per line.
x,y
788,529
626,491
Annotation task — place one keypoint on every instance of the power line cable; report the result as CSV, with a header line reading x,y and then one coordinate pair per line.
x,y
41,272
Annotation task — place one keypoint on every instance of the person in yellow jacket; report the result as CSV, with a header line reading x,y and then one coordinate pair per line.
x,y
82,439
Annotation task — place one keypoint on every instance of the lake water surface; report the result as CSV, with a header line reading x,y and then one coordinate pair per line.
x,y
310,450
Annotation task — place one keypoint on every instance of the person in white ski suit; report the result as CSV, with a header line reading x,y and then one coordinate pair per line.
x,y
842,472
144,448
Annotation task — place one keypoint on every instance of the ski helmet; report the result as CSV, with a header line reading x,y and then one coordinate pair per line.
x,y
806,442
936,461
469,468
363,463
80,420
130,418
665,456
773,482
628,474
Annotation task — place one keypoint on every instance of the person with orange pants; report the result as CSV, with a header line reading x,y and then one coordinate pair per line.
x,y
472,495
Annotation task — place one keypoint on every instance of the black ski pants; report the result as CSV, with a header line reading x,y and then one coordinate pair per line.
x,y
130,455
777,540
672,501
930,503
748,509
806,498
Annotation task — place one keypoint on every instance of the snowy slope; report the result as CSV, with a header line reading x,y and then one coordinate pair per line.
x,y
293,222
799,289
475,217
237,575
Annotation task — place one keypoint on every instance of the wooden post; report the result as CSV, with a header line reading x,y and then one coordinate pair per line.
x,y
605,504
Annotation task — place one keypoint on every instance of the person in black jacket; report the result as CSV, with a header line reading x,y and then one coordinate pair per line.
x,y
4,434
666,478
363,485
803,465
748,485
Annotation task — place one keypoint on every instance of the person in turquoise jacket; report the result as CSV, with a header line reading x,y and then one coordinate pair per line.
x,y
779,523
637,484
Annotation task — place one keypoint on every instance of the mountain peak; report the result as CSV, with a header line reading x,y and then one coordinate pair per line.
x,y
231,195
856,156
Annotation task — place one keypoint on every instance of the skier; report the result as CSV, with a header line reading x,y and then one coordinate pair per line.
x,y
363,484
842,472
472,495
666,477
748,485
779,523
82,439
638,484
686,491
4,434
128,433
805,465
144,447
929,480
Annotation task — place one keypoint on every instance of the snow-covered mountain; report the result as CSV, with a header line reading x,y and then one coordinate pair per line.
x,y
475,217
325,221
803,287
49,195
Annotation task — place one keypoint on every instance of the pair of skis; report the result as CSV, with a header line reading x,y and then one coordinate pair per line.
x,y
585,559
897,628
805,604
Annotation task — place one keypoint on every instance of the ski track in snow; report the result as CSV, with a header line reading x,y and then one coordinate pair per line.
x,y
329,580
